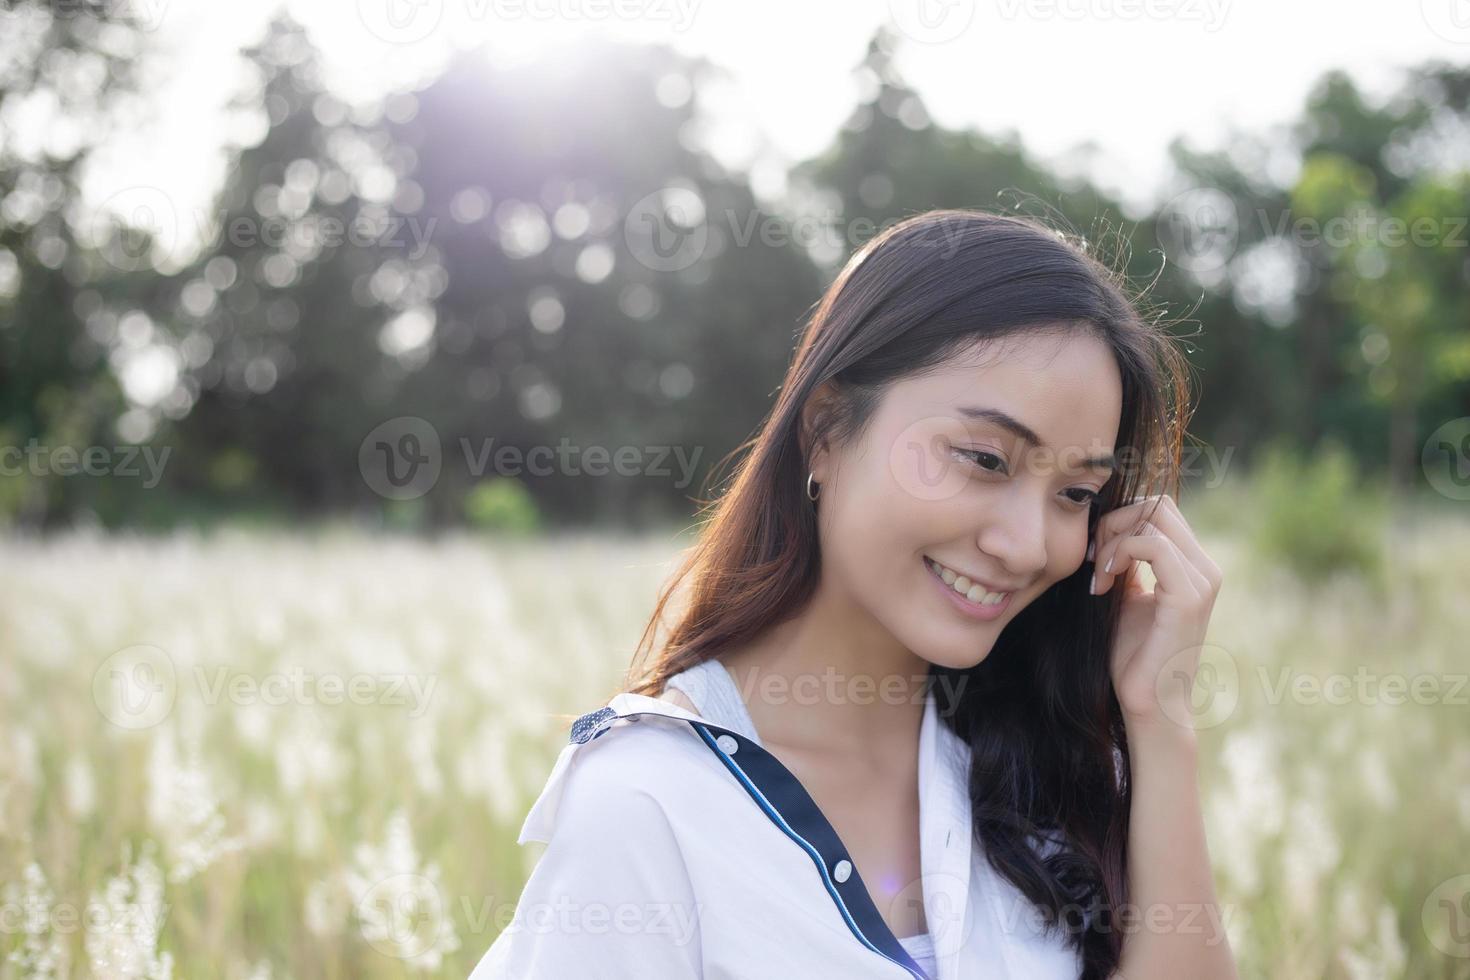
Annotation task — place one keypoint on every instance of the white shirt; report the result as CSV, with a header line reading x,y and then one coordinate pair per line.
x,y
677,846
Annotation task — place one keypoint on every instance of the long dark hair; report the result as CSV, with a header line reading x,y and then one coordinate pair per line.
x,y
1049,754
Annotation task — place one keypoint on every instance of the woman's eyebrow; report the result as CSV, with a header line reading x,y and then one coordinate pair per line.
x,y
1024,432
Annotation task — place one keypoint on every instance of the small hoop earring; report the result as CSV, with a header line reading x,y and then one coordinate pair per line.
x,y
809,494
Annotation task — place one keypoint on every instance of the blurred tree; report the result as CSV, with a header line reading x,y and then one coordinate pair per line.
x,y
546,259
65,69
508,297
282,311
890,160
1305,272
1404,274
562,323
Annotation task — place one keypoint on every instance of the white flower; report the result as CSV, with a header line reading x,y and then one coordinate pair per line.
x,y
124,922
1248,808
1382,959
182,808
400,906
41,954
326,907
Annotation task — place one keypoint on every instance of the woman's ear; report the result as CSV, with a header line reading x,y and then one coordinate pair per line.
x,y
815,417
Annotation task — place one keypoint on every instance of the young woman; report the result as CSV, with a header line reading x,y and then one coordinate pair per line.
x,y
916,718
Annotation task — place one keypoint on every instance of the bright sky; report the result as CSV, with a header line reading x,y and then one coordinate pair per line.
x,y
1128,75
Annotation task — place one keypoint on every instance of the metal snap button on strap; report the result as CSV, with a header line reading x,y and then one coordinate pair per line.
x,y
842,870
727,744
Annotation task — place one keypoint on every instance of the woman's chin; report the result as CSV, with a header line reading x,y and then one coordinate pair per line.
x,y
955,658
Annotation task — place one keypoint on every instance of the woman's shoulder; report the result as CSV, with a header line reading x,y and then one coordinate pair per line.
x,y
633,756
618,834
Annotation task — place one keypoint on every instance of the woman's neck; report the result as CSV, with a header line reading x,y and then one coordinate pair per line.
x,y
833,680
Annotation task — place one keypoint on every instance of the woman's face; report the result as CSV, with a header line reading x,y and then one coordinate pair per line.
x,y
939,492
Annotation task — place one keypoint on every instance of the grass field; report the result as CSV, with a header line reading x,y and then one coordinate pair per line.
x,y
307,754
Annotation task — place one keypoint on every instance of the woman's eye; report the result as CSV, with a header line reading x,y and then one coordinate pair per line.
x,y
986,461
1086,498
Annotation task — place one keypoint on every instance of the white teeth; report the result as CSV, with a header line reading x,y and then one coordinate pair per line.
x,y
975,593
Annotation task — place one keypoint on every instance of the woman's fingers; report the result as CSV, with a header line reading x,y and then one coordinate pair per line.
x,y
1172,572
1162,512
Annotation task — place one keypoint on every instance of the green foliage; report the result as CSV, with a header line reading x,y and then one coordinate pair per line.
x,y
1331,185
502,504
405,515
1316,516
282,366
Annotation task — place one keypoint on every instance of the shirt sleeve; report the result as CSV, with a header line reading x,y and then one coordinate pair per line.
x,y
610,896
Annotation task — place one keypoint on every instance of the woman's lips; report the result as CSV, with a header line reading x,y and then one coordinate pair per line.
x,y
975,610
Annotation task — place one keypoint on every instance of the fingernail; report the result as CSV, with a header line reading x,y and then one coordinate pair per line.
x,y
1091,547
1109,566
1092,586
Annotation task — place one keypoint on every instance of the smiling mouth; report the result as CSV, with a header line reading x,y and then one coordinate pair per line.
x,y
961,585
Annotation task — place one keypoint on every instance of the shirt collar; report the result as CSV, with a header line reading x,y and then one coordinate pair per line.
x,y
945,835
